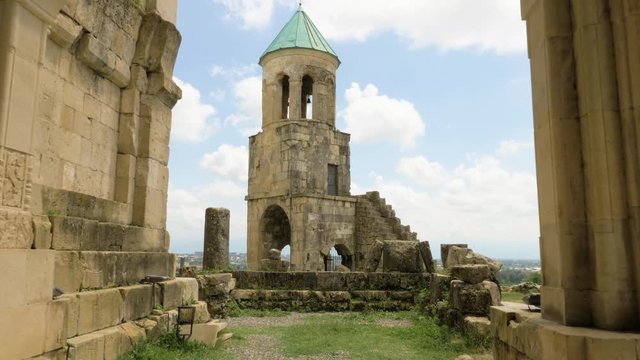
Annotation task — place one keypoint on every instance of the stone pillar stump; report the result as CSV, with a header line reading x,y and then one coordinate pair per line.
x,y
216,239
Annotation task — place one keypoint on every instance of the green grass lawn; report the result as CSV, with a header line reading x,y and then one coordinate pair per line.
x,y
353,335
512,296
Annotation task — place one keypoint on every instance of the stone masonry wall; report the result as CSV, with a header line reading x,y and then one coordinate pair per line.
x,y
85,112
328,291
376,221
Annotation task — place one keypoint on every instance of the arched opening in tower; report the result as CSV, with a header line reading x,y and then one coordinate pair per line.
x,y
339,255
275,229
285,97
307,97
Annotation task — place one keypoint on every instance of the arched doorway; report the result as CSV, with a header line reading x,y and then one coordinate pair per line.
x,y
275,230
338,255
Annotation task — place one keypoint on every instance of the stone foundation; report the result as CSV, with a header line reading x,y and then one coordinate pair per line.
x,y
328,291
520,334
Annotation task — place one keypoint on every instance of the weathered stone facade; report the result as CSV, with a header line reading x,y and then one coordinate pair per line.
x,y
328,291
86,93
299,169
584,65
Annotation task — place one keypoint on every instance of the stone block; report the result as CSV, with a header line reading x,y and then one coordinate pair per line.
x,y
208,333
73,307
189,289
330,281
244,294
401,256
27,339
164,88
101,269
427,257
56,324
95,55
202,313
41,232
133,332
137,300
65,32
71,233
470,299
166,9
29,276
356,281
444,252
68,271
117,237
99,309
15,229
472,274
89,346
169,294
116,342
274,265
128,139
59,354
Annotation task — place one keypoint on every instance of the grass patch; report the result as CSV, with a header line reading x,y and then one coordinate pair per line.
x,y
258,313
360,337
512,296
168,347
367,335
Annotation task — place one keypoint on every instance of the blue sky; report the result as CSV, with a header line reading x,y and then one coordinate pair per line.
x,y
435,94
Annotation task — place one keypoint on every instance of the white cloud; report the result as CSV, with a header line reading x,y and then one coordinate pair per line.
x,y
186,209
233,72
371,117
478,202
512,147
493,25
254,14
248,97
228,161
421,170
193,120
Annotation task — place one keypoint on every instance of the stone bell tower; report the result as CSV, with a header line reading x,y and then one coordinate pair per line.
x,y
299,176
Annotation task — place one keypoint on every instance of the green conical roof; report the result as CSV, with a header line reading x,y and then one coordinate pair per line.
x,y
300,32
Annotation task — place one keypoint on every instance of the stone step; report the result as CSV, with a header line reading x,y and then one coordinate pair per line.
x,y
208,333
80,270
89,311
105,344
77,233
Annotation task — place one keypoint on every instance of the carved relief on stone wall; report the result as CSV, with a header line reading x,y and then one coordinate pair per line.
x,y
15,229
16,179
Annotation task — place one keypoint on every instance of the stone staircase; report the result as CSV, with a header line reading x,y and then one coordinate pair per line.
x,y
376,220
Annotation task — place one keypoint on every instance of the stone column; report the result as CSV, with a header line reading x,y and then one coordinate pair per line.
x,y
216,239
584,64
295,107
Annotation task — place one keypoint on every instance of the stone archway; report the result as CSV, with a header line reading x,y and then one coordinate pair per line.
x,y
275,229
339,254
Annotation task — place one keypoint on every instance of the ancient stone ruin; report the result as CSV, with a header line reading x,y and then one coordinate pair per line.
x,y
85,115
216,239
584,66
299,168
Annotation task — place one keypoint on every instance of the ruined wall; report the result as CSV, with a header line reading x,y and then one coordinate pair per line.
x,y
328,291
86,93
376,221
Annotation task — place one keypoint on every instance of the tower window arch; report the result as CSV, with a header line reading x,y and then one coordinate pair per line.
x,y
307,98
285,97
